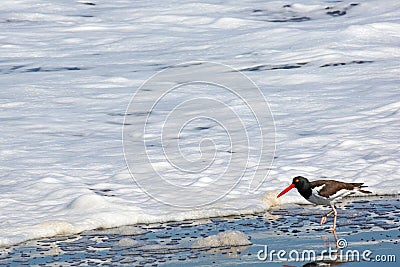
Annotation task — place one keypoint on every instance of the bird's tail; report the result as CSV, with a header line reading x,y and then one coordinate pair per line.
x,y
358,186
364,191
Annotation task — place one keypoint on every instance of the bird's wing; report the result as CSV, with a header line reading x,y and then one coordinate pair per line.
x,y
328,188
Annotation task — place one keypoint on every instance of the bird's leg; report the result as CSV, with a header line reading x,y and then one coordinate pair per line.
x,y
323,219
336,238
334,218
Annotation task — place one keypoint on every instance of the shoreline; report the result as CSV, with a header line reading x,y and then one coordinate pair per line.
x,y
371,224
301,202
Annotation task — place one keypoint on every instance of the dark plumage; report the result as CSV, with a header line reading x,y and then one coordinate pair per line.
x,y
324,192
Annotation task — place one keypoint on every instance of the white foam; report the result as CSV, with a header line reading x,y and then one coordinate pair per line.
x,y
127,242
69,70
227,238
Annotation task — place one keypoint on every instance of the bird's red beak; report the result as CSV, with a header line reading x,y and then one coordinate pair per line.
x,y
287,189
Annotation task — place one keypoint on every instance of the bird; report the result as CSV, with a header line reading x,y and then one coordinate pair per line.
x,y
324,192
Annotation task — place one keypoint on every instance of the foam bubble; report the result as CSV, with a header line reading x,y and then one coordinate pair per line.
x,y
89,202
228,238
52,228
270,199
123,230
127,242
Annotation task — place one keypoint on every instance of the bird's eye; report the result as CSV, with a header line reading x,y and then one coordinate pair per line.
x,y
297,180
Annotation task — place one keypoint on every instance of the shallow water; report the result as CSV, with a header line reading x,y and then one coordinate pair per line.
x,y
363,224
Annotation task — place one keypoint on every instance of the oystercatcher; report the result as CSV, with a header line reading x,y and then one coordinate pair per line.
x,y
324,192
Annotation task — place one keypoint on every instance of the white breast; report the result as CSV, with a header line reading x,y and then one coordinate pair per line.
x,y
320,200
317,199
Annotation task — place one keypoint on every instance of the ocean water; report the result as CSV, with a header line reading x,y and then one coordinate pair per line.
x,y
328,72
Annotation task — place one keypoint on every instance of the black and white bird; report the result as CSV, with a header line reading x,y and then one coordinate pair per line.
x,y
324,192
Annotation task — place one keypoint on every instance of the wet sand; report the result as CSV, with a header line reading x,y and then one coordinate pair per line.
x,y
363,224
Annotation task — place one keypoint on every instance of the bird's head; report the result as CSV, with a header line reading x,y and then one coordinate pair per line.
x,y
298,182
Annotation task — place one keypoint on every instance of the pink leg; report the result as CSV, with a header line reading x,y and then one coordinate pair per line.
x,y
334,218
323,219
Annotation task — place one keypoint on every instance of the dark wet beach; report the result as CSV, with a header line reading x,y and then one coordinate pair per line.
x,y
364,224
